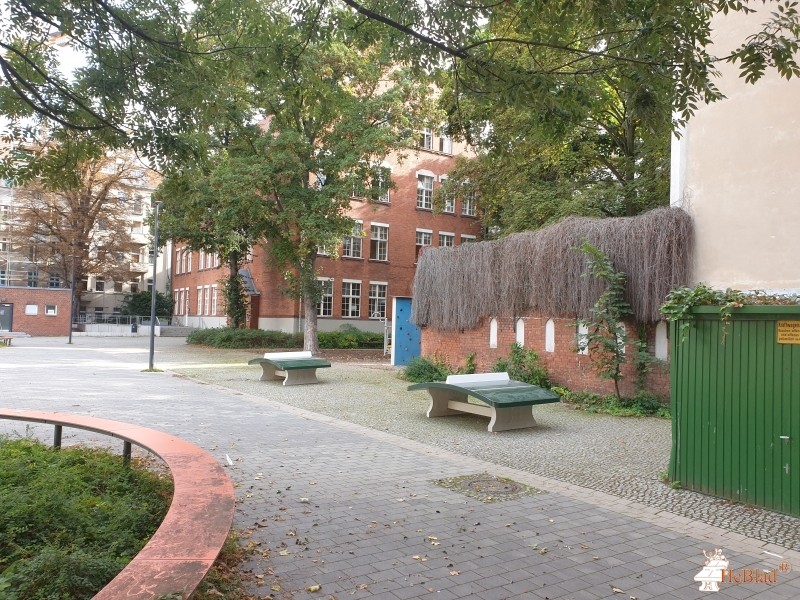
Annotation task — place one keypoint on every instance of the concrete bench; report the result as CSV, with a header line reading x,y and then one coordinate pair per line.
x,y
507,402
7,336
294,368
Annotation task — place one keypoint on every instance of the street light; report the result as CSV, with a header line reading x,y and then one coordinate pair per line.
x,y
72,292
153,290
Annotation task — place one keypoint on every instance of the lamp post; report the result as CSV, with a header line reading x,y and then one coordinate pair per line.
x,y
72,293
153,291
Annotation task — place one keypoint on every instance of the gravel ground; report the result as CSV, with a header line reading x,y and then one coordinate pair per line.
x,y
619,456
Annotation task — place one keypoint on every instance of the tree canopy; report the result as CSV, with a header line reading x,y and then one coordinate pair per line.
x,y
75,218
319,107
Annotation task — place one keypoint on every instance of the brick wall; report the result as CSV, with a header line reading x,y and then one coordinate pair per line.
x,y
41,323
567,368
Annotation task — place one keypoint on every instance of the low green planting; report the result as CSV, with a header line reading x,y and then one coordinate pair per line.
x,y
642,404
346,337
230,337
523,365
71,519
423,370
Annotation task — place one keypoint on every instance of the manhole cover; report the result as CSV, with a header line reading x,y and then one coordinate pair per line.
x,y
487,488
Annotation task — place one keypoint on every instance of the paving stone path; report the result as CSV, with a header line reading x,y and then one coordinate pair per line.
x,y
360,511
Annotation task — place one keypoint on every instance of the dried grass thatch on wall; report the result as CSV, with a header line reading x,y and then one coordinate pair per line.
x,y
542,271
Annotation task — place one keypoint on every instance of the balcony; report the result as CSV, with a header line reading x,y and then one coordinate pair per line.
x,y
140,267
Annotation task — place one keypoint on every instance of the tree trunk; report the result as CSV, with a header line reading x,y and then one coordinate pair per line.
x,y
310,340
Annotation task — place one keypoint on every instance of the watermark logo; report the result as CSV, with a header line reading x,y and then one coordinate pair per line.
x,y
716,570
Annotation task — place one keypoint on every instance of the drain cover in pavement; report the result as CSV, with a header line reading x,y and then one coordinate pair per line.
x,y
487,488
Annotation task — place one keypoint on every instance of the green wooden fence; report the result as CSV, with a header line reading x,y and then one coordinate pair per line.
x,y
736,406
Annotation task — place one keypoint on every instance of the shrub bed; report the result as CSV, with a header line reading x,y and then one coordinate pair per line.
x,y
71,518
642,404
346,337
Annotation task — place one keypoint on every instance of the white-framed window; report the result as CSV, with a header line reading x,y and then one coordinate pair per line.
x,y
50,310
351,299
207,300
322,251
449,199
469,205
377,299
424,238
150,284
445,142
351,247
381,180
424,191
426,139
188,261
201,260
199,299
447,239
466,238
54,281
99,285
325,305
214,296
4,276
379,242
5,212
31,309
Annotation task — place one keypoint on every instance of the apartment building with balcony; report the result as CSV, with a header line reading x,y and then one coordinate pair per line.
x,y
28,266
374,265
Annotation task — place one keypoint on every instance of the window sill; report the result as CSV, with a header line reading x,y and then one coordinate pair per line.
x,y
377,260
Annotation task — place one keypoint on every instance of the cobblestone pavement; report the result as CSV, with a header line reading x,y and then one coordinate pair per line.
x,y
337,483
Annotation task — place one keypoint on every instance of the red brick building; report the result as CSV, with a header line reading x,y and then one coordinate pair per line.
x,y
374,265
35,311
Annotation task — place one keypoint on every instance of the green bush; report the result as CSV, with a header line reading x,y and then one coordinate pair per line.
x,y
523,365
71,519
346,337
643,404
423,370
230,337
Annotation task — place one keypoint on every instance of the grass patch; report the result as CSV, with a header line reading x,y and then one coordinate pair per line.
x,y
640,405
72,518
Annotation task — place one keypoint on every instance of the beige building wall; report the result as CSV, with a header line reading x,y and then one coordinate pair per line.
x,y
736,169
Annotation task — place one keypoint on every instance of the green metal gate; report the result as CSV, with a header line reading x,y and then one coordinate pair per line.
x,y
736,406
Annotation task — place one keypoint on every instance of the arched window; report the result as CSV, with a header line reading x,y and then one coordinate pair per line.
x,y
662,342
582,342
549,336
493,333
520,332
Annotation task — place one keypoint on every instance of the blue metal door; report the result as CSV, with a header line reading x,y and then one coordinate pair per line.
x,y
405,335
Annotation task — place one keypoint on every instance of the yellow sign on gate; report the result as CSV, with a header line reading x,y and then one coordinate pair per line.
x,y
788,332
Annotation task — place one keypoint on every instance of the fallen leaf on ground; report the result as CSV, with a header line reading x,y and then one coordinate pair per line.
x,y
455,573
313,588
